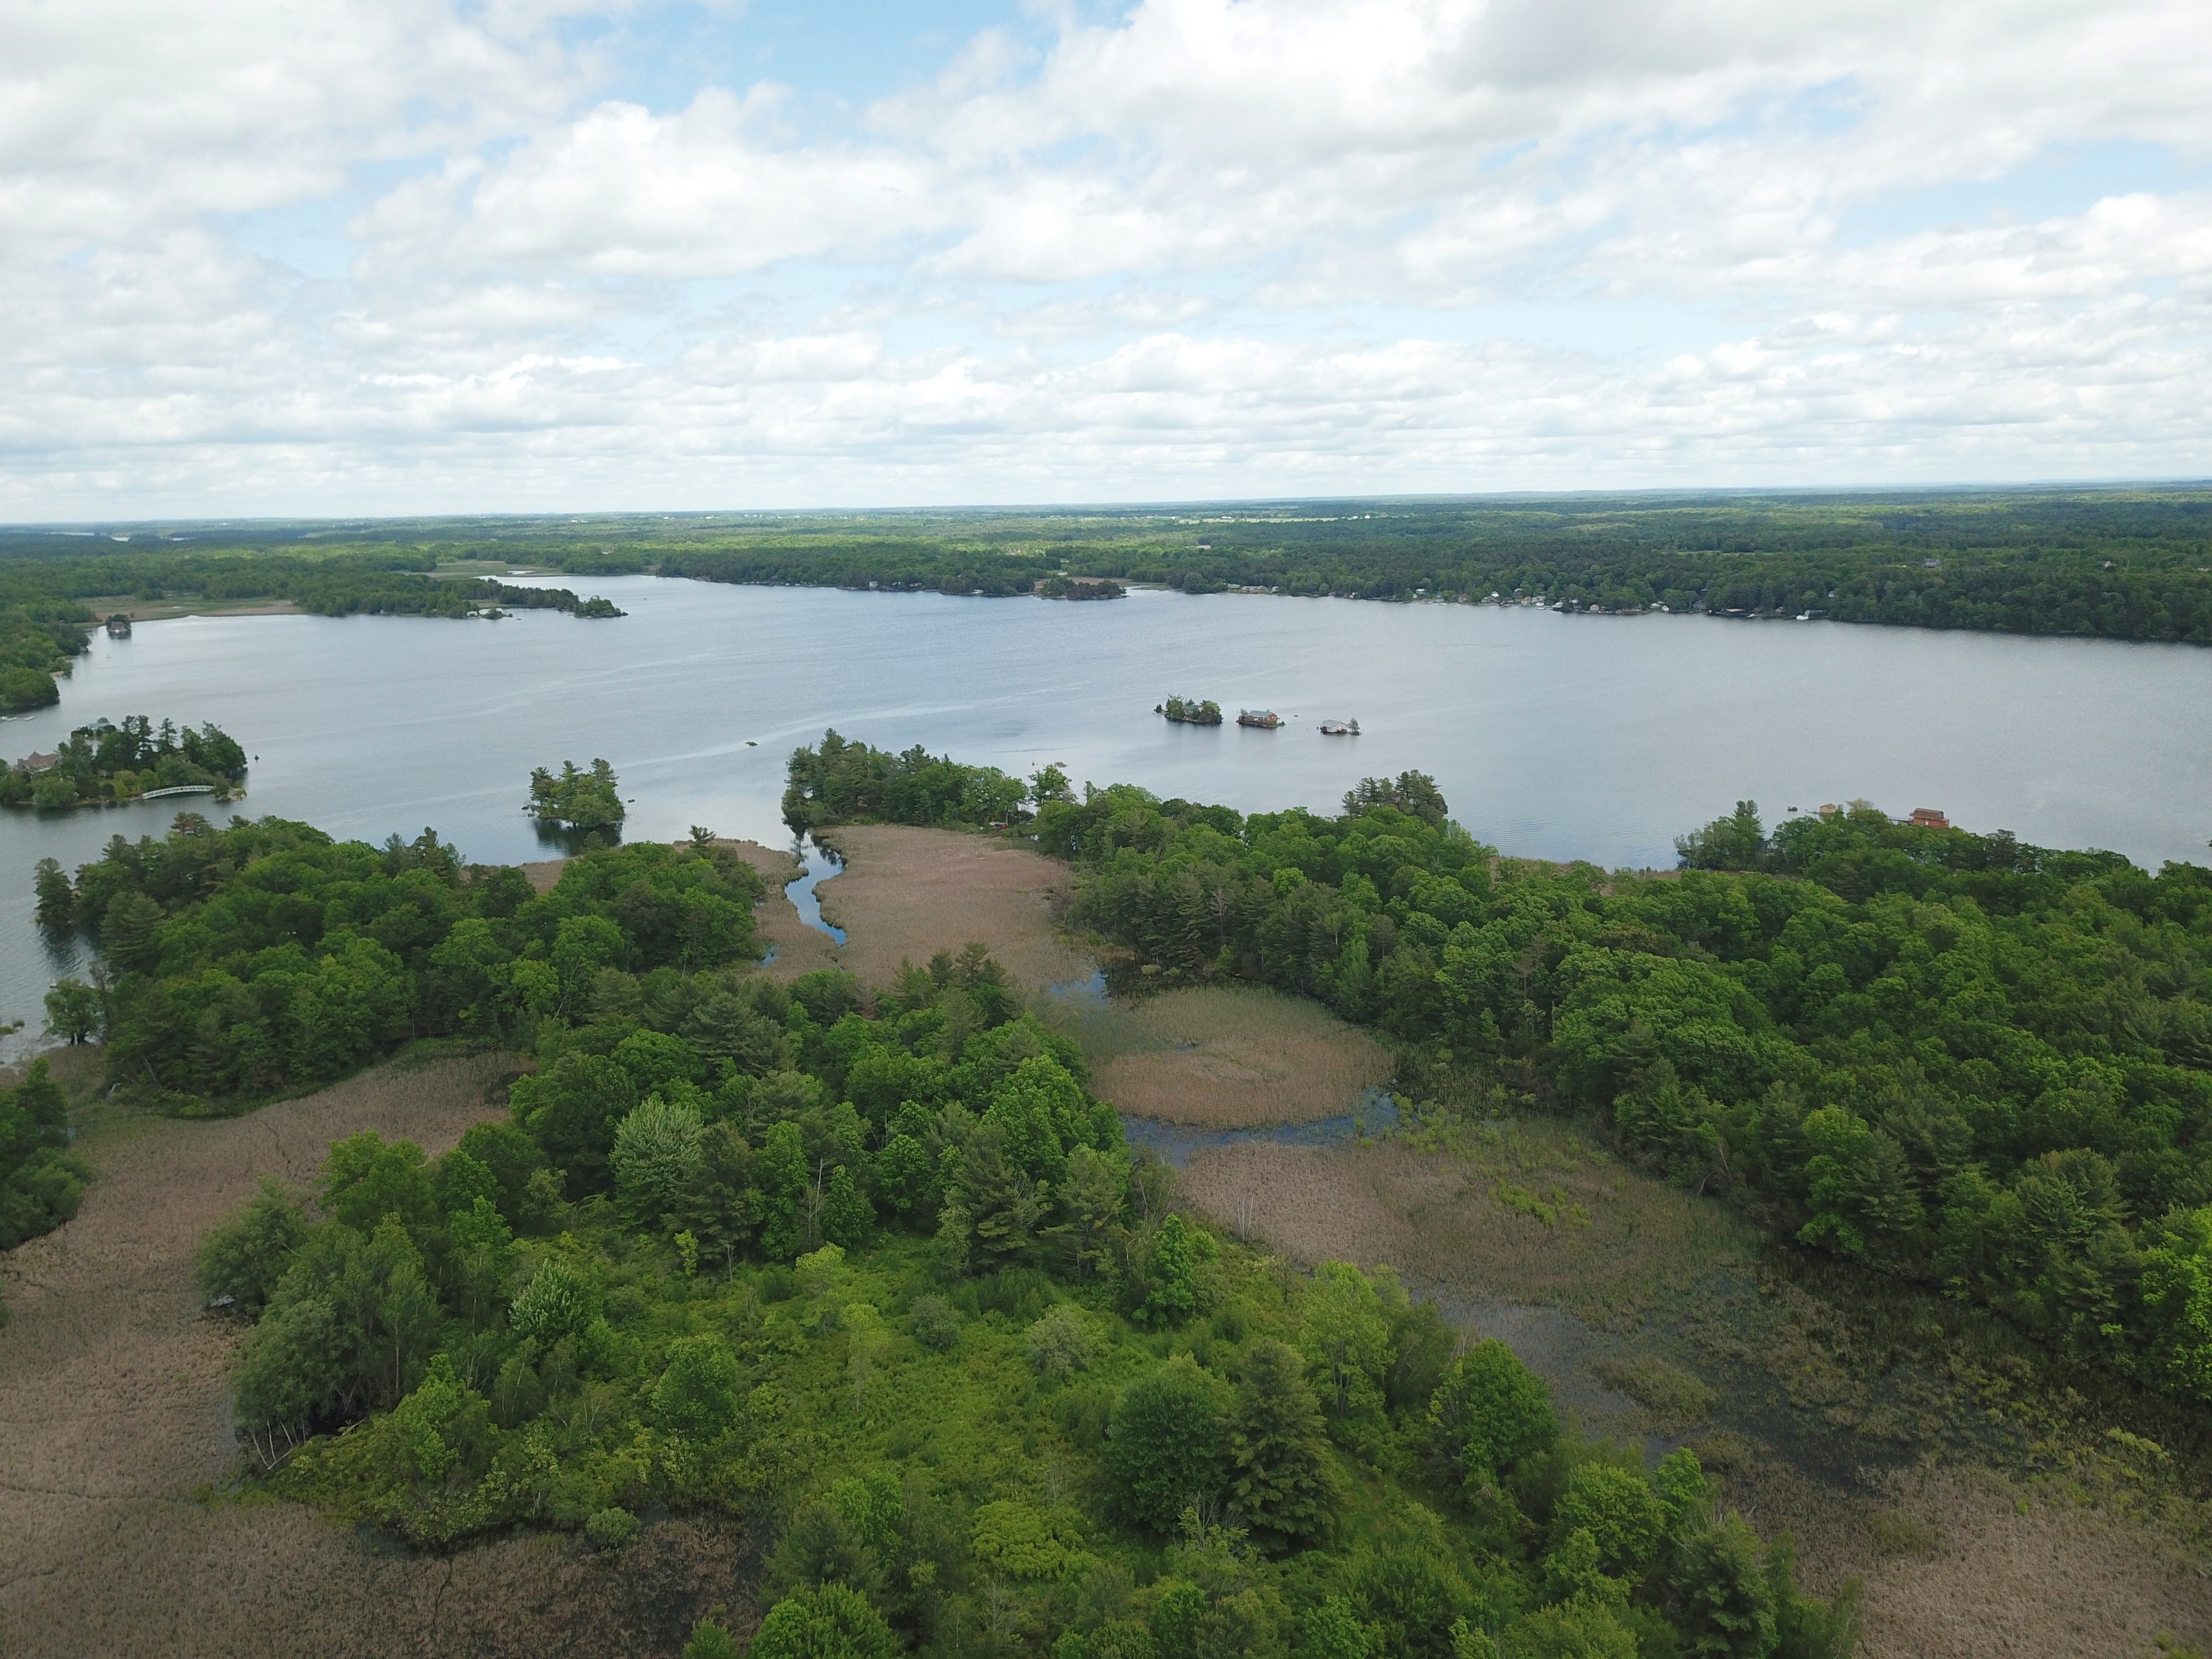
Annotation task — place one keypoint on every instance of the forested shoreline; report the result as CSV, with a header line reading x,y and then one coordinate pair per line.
x,y
44,624
106,762
1949,1058
871,1269
2132,563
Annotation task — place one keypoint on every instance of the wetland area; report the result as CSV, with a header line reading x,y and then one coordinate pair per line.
x,y
1879,1434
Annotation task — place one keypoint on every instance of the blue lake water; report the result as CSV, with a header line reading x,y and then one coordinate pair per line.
x,y
1555,736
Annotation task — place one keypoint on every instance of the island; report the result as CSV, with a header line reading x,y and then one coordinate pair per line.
x,y
1189,711
104,763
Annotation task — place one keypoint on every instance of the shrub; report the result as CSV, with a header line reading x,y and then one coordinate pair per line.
x,y
933,1322
828,1622
1022,1541
1061,1344
710,1641
610,1528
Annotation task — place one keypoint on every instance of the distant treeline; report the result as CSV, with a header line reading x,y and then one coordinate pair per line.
x,y
2113,563
2121,563
44,582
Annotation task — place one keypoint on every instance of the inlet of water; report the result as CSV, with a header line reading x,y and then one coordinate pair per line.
x,y
821,863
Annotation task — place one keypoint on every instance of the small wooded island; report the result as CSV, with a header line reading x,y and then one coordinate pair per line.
x,y
1188,711
577,800
102,763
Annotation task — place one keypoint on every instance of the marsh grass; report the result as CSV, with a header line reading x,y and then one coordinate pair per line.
x,y
905,893
115,1388
1223,1057
1677,1398
1988,1495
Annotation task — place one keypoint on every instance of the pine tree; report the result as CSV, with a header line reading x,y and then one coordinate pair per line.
x,y
56,899
129,933
1278,1452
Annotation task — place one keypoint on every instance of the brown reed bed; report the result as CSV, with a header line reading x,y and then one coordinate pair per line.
x,y
1677,1324
114,1409
905,893
1228,1057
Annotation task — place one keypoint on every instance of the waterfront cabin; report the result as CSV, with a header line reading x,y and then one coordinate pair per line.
x,y
1339,729
118,627
1265,719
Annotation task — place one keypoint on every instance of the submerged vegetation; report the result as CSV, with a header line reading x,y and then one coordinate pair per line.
x,y
103,762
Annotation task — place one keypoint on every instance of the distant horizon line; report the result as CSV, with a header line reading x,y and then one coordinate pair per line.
x,y
1807,492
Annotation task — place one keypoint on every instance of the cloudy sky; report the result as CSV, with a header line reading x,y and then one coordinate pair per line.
x,y
353,256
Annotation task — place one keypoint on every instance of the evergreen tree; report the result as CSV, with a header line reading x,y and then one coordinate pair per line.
x,y
1279,1473
56,899
1724,1604
129,935
1162,1450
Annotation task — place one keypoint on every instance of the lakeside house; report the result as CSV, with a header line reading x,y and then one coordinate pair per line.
x,y
34,763
1339,729
1265,719
118,627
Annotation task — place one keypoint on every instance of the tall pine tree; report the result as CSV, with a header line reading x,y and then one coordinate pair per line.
x,y
1278,1451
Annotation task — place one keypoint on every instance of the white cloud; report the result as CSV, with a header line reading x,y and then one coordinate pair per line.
x,y
1230,246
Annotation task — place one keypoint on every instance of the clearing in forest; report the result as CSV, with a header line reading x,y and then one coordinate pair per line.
x,y
1224,1056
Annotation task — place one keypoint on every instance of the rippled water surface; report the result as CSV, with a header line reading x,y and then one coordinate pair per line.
x,y
1552,736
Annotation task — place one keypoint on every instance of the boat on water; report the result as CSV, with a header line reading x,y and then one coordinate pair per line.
x,y
1339,729
1265,719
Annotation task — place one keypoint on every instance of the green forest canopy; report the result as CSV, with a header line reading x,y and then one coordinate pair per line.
x,y
2132,562
266,958
881,1274
1949,1057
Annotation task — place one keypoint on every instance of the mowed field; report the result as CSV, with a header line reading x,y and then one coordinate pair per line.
x,y
1652,1312
115,1537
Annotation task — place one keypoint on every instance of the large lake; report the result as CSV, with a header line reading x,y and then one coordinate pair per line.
x,y
1552,736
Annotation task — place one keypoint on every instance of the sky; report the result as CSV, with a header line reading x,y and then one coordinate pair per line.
x,y
341,257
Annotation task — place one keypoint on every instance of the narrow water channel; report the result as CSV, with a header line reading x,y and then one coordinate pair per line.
x,y
820,864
